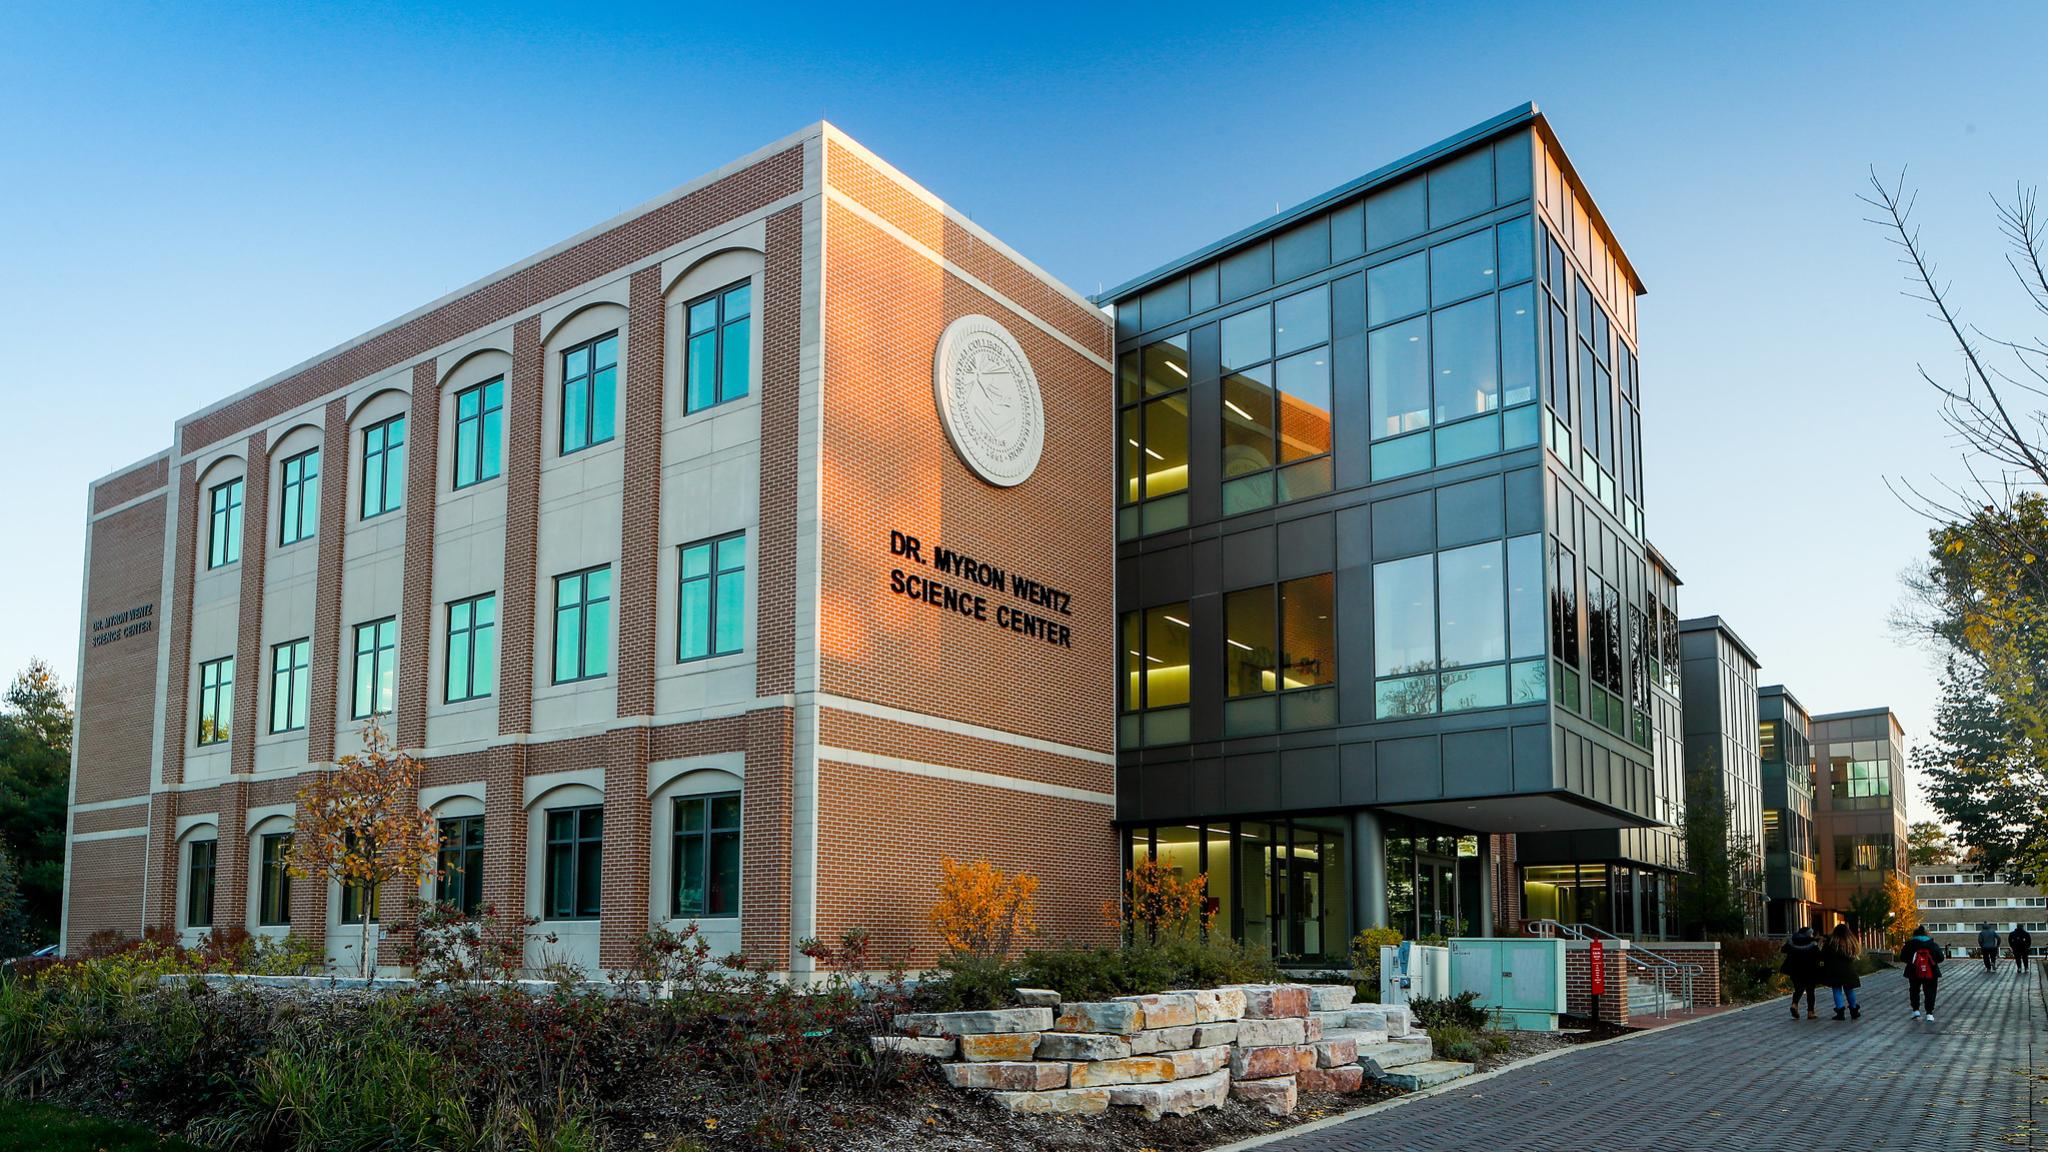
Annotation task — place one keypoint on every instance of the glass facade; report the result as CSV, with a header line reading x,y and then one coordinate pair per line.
x,y
590,373
384,467
1282,885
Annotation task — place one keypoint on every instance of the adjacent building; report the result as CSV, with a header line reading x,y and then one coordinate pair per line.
x,y
1383,592
1785,751
1721,763
1859,811
1955,905
727,564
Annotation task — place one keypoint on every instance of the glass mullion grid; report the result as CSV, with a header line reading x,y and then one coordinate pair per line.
x,y
575,612
376,668
698,836
224,524
718,333
587,421
711,598
299,508
478,422
472,632
274,906
383,467
288,685
575,846
199,876
216,700
459,867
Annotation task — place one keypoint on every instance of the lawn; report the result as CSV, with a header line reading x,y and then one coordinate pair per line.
x,y
25,1126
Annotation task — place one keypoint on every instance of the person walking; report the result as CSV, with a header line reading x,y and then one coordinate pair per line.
x,y
1801,967
2022,942
1987,946
1922,958
1838,971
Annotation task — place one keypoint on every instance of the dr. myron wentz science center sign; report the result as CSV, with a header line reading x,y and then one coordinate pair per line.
x,y
989,403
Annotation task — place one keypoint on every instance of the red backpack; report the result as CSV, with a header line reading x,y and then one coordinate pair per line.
x,y
1921,966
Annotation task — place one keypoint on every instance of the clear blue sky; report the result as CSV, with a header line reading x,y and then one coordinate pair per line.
x,y
191,202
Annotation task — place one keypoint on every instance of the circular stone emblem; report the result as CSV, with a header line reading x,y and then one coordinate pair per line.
x,y
988,400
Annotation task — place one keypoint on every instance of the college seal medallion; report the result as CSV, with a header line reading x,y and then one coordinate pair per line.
x,y
988,400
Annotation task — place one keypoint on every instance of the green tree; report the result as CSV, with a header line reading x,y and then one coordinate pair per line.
x,y
35,782
17,935
1927,844
1721,890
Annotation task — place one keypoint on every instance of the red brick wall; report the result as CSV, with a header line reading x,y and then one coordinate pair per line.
x,y
103,893
640,519
117,681
522,528
1578,982
143,478
335,458
416,612
1706,983
134,815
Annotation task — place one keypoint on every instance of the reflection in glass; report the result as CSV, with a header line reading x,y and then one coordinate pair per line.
x,y
1469,594
1517,260
1525,596
1166,656
1517,345
1166,445
1301,320
1466,383
1249,645
1403,614
1461,268
1398,377
1248,421
1166,366
1247,338
1130,454
1396,289
1304,384
1308,654
1475,688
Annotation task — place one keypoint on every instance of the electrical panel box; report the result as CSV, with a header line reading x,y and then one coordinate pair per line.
x,y
1414,972
1519,981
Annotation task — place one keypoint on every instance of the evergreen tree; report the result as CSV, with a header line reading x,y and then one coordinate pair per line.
x,y
35,782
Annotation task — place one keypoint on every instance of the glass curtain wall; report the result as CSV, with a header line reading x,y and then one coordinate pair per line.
x,y
1280,885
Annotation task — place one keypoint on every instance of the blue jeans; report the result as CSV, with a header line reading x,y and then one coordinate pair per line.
x,y
1840,993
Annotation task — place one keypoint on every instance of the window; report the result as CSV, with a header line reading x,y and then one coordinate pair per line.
x,y
575,860
1153,437
1865,852
583,624
224,524
199,860
384,467
718,360
289,686
1462,629
472,659
704,863
1404,637
479,421
1279,639
459,870
711,610
376,672
589,393
1276,401
216,700
298,509
274,898
1155,675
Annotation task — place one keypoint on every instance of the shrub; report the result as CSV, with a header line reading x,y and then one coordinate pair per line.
x,y
1173,962
1461,1011
1159,904
1365,960
1454,1042
971,983
983,911
451,947
1749,969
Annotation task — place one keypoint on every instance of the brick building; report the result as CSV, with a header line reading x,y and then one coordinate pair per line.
x,y
730,562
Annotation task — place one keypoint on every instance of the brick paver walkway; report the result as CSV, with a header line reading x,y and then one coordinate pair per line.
x,y
1756,1079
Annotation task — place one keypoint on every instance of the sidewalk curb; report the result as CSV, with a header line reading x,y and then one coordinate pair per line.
x,y
1462,1083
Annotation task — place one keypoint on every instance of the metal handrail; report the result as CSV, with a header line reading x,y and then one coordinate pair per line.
x,y
1651,962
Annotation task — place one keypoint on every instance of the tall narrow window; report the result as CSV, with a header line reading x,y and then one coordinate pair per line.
x,y
1156,649
376,670
216,700
224,523
704,862
1276,401
479,423
1404,637
1153,437
459,870
289,684
274,898
298,507
711,616
590,373
575,861
384,467
472,661
199,861
583,624
719,360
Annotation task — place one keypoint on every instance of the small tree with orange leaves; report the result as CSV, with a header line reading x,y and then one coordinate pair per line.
x,y
361,825
1159,903
982,911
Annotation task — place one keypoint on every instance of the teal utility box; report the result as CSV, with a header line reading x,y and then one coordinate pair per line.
x,y
1520,981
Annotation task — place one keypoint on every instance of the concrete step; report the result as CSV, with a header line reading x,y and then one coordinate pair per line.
x,y
1427,1074
1365,1037
1382,1058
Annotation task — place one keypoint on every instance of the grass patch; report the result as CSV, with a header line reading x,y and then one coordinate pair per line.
x,y
25,1126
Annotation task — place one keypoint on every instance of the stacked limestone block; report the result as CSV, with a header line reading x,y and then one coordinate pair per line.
x,y
1169,1053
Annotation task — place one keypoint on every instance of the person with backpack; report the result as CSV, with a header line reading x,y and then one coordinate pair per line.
x,y
1801,967
1838,971
1922,958
1987,946
2022,942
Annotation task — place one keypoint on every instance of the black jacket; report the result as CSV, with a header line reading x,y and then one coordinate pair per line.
x,y
2020,939
1838,965
1802,962
1915,944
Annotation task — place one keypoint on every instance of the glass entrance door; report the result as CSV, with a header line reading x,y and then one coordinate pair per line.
x,y
1436,897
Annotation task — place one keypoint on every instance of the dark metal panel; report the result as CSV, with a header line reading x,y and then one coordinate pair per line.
x,y
1308,778
1478,763
1469,512
1354,616
1404,526
1410,769
1163,576
1252,783
1525,501
1357,777
1307,547
1205,684
1248,559
1352,429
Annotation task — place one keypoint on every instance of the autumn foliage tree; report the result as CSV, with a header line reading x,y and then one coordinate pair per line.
x,y
982,911
361,825
1159,903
